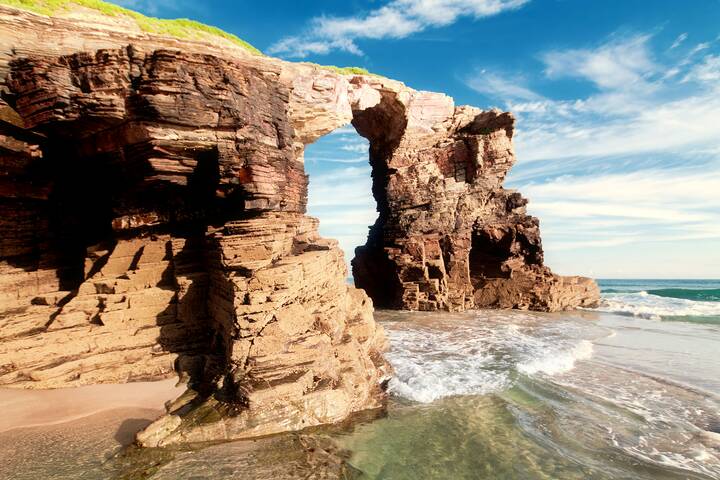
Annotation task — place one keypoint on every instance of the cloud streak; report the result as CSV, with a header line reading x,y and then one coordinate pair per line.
x,y
395,19
504,86
619,209
342,199
635,107
633,165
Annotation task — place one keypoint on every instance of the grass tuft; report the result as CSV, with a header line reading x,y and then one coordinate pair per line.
x,y
183,28
342,70
179,28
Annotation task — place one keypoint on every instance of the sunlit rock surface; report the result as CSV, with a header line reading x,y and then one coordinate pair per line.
x,y
153,221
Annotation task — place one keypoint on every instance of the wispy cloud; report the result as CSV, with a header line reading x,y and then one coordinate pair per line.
x,y
708,71
342,199
679,41
634,161
314,159
355,147
504,86
621,63
634,107
395,19
347,186
346,130
648,206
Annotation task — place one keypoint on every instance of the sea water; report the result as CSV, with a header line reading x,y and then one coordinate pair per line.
x,y
627,391
678,300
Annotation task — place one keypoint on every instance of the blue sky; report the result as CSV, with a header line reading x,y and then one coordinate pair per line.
x,y
618,108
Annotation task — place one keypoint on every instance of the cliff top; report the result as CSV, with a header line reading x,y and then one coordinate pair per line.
x,y
109,16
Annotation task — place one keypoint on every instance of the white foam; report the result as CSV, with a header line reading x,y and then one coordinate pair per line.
x,y
555,362
477,356
653,307
433,364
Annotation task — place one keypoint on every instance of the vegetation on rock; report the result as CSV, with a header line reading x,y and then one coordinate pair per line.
x,y
182,28
346,70
179,28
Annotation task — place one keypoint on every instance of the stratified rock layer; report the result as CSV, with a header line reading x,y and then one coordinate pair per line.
x,y
449,236
152,205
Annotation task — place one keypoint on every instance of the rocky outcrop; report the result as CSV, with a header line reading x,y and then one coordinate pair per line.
x,y
153,221
449,236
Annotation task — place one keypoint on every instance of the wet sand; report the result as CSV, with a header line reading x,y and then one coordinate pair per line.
x,y
71,433
35,408
81,434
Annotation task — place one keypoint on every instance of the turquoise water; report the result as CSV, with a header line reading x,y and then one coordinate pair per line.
x,y
702,290
513,395
628,391
696,301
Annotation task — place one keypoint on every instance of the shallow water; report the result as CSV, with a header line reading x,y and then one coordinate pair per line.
x,y
477,395
560,396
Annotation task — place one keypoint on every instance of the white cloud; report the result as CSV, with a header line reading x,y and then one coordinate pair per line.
x,y
342,200
502,86
593,128
355,147
705,72
643,147
640,105
396,19
298,48
348,187
346,130
337,160
622,209
615,64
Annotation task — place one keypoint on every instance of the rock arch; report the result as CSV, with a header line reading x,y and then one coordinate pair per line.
x,y
437,175
204,261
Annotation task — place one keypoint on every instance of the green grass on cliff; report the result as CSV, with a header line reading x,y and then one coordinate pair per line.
x,y
180,27
346,70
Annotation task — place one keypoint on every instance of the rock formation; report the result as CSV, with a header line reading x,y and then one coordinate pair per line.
x,y
152,200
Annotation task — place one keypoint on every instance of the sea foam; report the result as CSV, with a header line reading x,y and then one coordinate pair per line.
x,y
646,305
431,364
477,356
555,363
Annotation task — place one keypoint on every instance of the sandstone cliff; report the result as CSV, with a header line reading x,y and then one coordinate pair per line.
x,y
152,200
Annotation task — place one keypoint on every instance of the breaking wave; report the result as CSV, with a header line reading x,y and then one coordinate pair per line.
x,y
478,356
644,304
699,294
558,362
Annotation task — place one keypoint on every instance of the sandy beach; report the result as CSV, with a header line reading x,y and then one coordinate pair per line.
x,y
36,408
70,433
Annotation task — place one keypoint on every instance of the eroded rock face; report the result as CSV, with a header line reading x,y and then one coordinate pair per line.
x,y
180,218
449,236
153,223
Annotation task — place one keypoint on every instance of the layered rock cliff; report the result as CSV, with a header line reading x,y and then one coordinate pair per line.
x,y
153,221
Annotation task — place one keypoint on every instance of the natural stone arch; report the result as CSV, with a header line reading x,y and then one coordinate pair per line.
x,y
297,346
437,174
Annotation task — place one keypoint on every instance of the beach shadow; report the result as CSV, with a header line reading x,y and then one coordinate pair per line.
x,y
125,434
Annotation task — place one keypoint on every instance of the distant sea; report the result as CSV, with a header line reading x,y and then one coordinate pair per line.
x,y
670,300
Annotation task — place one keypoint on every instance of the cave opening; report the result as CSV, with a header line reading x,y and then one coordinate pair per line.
x,y
80,209
490,249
